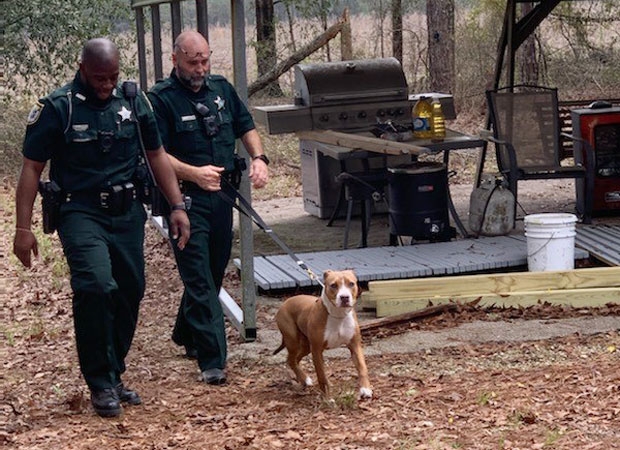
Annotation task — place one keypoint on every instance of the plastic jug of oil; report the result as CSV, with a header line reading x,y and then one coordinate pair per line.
x,y
438,121
491,208
421,115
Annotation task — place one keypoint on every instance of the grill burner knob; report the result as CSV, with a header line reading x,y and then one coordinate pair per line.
x,y
324,118
362,114
400,112
343,116
381,113
390,112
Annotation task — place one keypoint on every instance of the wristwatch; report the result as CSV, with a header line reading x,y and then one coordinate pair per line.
x,y
178,206
262,157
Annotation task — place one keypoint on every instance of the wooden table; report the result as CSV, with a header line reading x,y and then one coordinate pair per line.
x,y
342,146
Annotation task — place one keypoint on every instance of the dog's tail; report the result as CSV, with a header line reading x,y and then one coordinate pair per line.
x,y
279,349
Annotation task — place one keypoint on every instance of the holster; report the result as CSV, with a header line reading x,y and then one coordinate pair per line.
x,y
51,199
234,176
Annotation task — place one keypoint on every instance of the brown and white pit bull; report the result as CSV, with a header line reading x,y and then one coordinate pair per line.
x,y
313,324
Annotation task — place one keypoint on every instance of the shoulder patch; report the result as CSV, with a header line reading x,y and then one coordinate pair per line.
x,y
35,113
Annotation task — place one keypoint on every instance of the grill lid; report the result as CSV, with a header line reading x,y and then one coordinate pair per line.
x,y
349,82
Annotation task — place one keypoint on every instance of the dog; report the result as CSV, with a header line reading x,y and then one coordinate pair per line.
x,y
313,324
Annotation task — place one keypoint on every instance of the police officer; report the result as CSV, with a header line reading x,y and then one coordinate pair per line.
x,y
200,116
89,131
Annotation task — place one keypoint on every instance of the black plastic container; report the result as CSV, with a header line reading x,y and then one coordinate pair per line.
x,y
418,201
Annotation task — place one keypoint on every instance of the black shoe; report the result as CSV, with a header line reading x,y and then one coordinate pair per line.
x,y
214,376
191,352
126,395
106,402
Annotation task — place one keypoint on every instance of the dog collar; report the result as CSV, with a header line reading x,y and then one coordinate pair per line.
x,y
333,311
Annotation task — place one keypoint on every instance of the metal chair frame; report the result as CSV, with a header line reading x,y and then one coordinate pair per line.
x,y
526,132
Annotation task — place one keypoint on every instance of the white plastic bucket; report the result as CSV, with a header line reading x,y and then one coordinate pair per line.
x,y
550,241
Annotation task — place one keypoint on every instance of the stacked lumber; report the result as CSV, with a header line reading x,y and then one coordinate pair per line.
x,y
589,287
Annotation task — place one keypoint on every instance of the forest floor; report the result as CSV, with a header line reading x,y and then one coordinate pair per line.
x,y
474,378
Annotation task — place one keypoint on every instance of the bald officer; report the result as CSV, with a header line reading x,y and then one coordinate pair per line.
x,y
200,116
88,129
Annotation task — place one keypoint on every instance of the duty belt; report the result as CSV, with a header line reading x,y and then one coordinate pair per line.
x,y
114,200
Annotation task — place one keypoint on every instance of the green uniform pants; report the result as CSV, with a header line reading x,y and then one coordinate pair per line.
x,y
202,264
106,258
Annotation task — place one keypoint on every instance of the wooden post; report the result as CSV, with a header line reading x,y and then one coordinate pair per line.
x,y
346,42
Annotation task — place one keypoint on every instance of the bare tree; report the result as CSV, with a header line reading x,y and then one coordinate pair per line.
x,y
266,56
397,30
530,69
440,24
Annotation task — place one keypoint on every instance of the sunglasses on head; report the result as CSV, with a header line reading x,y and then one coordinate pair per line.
x,y
197,54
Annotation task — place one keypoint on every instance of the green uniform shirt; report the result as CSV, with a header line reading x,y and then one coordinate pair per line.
x,y
182,126
91,144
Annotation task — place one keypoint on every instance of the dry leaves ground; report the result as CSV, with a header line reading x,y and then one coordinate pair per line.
x,y
561,393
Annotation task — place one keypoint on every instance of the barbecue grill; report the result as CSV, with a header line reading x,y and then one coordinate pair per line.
x,y
348,96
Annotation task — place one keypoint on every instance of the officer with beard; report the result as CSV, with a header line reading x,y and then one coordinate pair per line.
x,y
200,116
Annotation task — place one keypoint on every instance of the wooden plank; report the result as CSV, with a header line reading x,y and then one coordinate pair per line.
x,y
484,284
407,317
602,242
356,141
497,283
578,298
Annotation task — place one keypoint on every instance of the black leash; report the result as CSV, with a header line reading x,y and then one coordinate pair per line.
x,y
246,209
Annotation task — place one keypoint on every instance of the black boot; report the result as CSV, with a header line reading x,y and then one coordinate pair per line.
x,y
126,395
106,402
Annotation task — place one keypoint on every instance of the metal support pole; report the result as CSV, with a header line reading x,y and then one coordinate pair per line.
x,y
177,20
156,38
141,48
245,223
202,18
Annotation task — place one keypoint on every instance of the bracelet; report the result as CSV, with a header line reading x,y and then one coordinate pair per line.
x,y
27,230
178,207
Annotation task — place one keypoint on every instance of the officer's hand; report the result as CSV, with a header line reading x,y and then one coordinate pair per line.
x,y
179,227
209,177
24,243
259,173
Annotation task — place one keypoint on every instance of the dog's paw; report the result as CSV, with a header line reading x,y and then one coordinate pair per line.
x,y
365,393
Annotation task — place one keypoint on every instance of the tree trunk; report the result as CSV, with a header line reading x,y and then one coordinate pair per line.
x,y
397,30
440,24
530,69
266,56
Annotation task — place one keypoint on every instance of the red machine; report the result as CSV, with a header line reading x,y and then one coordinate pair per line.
x,y
599,125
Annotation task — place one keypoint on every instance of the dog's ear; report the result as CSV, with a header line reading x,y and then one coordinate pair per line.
x,y
326,274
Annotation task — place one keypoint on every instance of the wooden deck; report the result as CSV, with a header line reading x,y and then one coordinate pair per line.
x,y
484,254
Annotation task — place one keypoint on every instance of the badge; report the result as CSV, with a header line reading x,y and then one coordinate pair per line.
x,y
35,113
219,101
125,114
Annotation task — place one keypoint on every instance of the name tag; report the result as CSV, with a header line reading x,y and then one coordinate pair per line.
x,y
188,118
80,127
